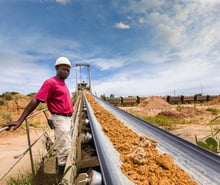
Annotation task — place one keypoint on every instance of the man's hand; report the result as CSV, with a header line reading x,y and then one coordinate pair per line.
x,y
28,109
14,124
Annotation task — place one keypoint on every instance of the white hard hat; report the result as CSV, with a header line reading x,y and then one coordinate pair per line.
x,y
63,60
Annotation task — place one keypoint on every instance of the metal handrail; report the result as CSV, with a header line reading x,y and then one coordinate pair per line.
x,y
21,156
4,128
29,144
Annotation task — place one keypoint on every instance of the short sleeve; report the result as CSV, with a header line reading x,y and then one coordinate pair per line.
x,y
44,92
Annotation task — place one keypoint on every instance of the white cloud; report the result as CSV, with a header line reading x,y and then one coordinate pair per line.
x,y
142,6
63,1
179,77
20,71
107,64
141,20
201,1
188,30
38,46
121,25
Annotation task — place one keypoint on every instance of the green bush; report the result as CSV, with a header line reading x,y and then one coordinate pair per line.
x,y
2,102
179,107
211,142
159,120
214,111
35,123
6,116
22,179
41,106
31,94
8,95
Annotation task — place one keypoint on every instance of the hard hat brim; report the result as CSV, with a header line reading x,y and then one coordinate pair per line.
x,y
63,65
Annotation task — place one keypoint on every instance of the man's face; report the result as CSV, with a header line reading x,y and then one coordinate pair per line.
x,y
63,71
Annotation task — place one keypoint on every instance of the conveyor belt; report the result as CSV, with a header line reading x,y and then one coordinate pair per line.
x,y
108,156
201,165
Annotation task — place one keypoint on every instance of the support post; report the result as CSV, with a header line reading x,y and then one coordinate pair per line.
x,y
29,146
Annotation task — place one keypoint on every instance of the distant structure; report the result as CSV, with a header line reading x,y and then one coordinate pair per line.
x,y
81,85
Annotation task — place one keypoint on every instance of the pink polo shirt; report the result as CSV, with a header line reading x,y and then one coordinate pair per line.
x,y
57,96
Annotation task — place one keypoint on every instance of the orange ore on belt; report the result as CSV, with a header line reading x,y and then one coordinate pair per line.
x,y
141,162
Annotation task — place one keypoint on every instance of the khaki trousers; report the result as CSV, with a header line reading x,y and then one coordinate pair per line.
x,y
63,131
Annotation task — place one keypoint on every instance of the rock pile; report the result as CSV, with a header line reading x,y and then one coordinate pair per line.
x,y
154,102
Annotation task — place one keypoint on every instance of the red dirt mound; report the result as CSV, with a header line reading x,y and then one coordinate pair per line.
x,y
173,114
154,102
215,101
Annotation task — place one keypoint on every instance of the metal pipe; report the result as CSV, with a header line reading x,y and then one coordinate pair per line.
x,y
95,178
77,82
43,110
4,128
29,145
29,140
38,112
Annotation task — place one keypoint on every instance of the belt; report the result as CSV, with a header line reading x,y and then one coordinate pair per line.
x,y
62,114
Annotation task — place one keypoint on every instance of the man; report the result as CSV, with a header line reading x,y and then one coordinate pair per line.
x,y
56,94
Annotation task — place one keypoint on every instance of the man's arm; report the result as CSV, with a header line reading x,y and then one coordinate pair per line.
x,y
29,108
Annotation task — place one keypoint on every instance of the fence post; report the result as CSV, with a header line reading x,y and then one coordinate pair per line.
x,y
29,146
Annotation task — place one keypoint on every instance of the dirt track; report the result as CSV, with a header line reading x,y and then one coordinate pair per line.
x,y
12,145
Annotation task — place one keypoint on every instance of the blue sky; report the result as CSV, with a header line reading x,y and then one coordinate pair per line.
x,y
134,47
